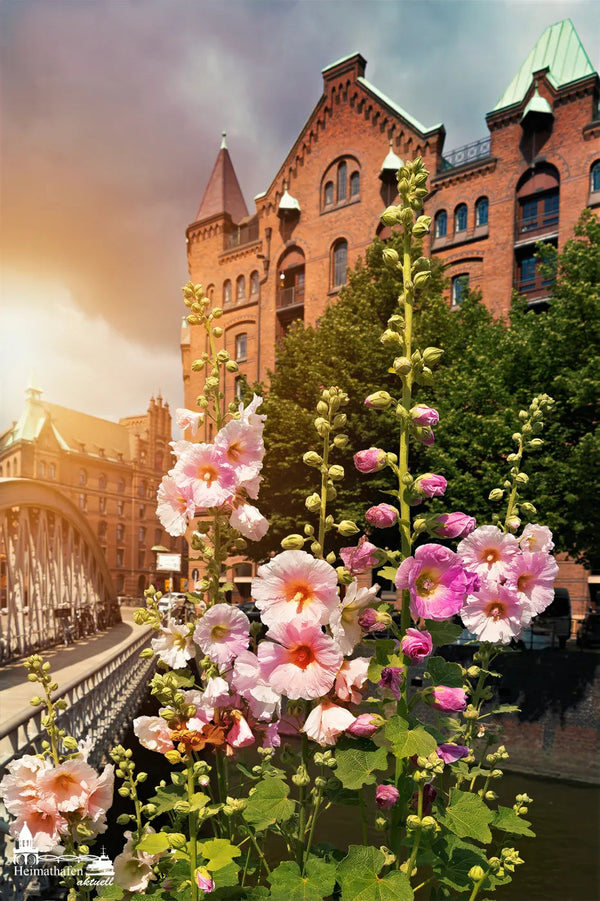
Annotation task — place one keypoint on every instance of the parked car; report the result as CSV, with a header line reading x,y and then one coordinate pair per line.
x,y
552,627
588,635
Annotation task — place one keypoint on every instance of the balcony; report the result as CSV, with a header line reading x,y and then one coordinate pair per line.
x,y
243,234
290,297
468,153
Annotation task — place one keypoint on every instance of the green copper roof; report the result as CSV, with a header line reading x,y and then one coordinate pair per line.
x,y
561,50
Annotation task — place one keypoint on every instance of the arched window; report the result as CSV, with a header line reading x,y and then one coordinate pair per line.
x,y
240,289
481,211
460,218
328,196
595,177
339,263
82,477
354,184
210,292
460,288
226,291
342,178
241,347
254,284
441,224
538,198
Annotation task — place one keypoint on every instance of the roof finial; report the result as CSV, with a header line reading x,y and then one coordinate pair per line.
x,y
223,140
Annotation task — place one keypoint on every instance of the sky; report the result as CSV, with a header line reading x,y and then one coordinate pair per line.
x,y
112,119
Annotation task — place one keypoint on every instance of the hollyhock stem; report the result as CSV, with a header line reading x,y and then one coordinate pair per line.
x,y
406,403
323,510
193,826
302,803
315,813
513,494
417,838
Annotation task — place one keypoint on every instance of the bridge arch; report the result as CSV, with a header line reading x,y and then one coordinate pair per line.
x,y
52,569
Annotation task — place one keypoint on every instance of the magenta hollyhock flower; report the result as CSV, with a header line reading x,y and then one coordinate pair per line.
x,y
454,525
300,661
222,633
345,618
370,620
365,725
204,468
176,507
204,880
532,576
421,414
425,436
370,460
294,584
416,645
449,699
391,677
488,551
429,796
360,558
536,539
381,516
495,613
187,419
451,753
240,734
430,485
436,580
386,796
249,521
326,722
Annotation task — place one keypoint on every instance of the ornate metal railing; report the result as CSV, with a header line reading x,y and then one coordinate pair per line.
x,y
243,234
468,153
287,297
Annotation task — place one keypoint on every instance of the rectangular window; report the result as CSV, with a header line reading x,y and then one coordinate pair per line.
x,y
241,347
82,502
119,558
141,534
120,508
529,215
141,558
102,505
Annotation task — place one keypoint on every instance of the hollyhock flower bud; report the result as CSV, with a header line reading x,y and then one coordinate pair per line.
x,y
292,542
430,485
421,414
454,525
452,753
370,620
416,645
386,796
425,435
346,528
448,699
370,460
391,677
204,880
382,516
365,725
360,558
380,400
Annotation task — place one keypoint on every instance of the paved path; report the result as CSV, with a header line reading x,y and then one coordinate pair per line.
x,y
67,663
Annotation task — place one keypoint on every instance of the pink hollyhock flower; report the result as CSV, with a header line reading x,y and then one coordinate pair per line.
x,y
216,694
45,822
371,620
351,678
454,525
175,508
249,416
488,552
416,645
101,795
300,661
365,725
204,468
249,521
204,880
430,485
448,699
249,681
153,733
360,558
187,419
222,633
452,753
429,796
344,620
370,460
20,784
495,613
436,580
532,576
536,539
295,584
240,735
242,448
69,784
326,722
133,869
271,737
382,516
386,796
421,414
391,678
174,645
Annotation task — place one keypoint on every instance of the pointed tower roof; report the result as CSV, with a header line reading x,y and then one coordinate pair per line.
x,y
223,193
559,49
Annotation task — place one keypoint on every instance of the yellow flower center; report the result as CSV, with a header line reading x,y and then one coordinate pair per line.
x,y
219,633
496,610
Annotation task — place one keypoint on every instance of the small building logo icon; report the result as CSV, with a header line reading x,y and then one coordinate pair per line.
x,y
25,852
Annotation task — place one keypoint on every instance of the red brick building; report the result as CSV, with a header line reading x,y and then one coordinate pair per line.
x,y
527,180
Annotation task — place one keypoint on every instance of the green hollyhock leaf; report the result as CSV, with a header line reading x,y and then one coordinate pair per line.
x,y
198,801
443,633
468,816
165,799
288,884
507,820
268,803
219,852
154,843
441,672
355,764
358,875
226,876
114,892
407,741
454,872
506,708
388,572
